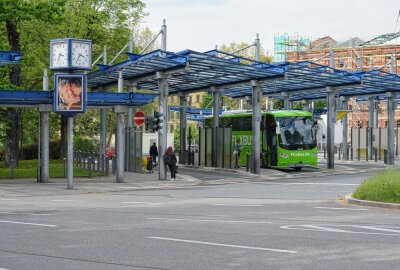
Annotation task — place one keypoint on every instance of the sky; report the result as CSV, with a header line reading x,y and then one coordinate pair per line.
x,y
200,25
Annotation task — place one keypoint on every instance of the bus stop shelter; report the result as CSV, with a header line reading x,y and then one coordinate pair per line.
x,y
222,73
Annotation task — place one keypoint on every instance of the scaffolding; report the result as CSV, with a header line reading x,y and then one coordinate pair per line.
x,y
285,43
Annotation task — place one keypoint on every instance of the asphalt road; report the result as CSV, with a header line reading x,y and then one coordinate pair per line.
x,y
230,221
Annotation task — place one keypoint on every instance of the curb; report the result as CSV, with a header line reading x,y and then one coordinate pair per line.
x,y
350,200
215,169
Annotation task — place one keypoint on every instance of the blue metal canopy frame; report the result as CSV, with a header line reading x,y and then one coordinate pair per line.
x,y
10,57
188,71
94,99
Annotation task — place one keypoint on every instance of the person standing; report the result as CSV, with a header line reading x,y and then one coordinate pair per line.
x,y
238,148
170,160
153,153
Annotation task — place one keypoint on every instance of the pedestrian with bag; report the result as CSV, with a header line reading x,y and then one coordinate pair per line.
x,y
170,160
153,153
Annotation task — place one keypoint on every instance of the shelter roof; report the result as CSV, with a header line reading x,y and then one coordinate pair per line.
x,y
190,71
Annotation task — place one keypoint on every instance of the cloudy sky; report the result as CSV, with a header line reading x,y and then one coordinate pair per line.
x,y
201,24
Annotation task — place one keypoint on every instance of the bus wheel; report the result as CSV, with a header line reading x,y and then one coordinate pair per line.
x,y
297,169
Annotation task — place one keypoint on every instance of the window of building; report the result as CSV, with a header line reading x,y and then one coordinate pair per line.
x,y
197,98
171,128
398,123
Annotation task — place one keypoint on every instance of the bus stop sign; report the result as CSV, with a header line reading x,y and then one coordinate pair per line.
x,y
138,118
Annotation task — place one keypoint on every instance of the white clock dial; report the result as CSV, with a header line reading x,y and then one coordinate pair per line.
x,y
59,52
81,54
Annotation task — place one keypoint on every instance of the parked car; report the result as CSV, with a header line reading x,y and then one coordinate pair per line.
x,y
110,152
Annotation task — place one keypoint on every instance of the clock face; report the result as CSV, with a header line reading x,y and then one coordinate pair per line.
x,y
81,54
59,54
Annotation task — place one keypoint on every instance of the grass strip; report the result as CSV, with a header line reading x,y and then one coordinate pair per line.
x,y
28,169
381,187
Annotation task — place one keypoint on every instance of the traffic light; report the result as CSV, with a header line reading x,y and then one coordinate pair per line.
x,y
156,121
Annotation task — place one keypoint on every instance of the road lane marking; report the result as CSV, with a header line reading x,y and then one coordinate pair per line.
x,y
338,208
66,201
8,199
32,214
27,223
227,204
377,228
334,230
311,183
222,245
213,220
139,203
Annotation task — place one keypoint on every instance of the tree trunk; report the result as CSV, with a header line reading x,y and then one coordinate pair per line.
x,y
14,118
64,143
14,115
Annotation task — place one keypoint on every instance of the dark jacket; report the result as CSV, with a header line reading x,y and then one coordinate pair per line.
x,y
153,150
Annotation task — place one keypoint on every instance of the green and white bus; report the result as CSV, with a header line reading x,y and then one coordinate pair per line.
x,y
288,138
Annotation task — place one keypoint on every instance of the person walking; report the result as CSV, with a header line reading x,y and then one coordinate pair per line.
x,y
170,160
153,153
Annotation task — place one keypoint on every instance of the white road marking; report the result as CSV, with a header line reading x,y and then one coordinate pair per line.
x,y
213,220
227,204
323,184
222,245
27,223
139,203
4,269
8,199
377,228
66,201
327,229
32,214
338,208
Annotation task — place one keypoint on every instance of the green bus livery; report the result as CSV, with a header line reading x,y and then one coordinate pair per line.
x,y
288,138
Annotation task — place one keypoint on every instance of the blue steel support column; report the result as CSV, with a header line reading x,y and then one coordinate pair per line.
x,y
256,125
130,88
345,106
371,125
216,100
249,104
286,101
306,105
103,123
70,153
331,118
44,119
391,107
162,133
120,140
183,124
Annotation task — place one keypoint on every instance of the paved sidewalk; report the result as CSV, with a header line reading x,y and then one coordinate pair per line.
x,y
58,186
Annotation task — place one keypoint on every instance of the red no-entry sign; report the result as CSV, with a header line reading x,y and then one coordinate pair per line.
x,y
138,118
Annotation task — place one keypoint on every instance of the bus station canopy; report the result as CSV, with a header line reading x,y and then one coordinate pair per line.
x,y
189,71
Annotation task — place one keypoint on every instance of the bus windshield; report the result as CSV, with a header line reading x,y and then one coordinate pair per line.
x,y
296,132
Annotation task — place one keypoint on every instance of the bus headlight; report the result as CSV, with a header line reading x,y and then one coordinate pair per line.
x,y
284,155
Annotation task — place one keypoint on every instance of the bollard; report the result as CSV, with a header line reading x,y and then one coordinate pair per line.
x,y
351,153
324,152
98,162
12,169
385,156
358,154
247,162
90,167
64,168
340,148
113,164
107,167
366,154
236,161
376,154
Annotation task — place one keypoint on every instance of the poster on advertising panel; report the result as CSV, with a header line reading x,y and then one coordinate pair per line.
x,y
70,93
